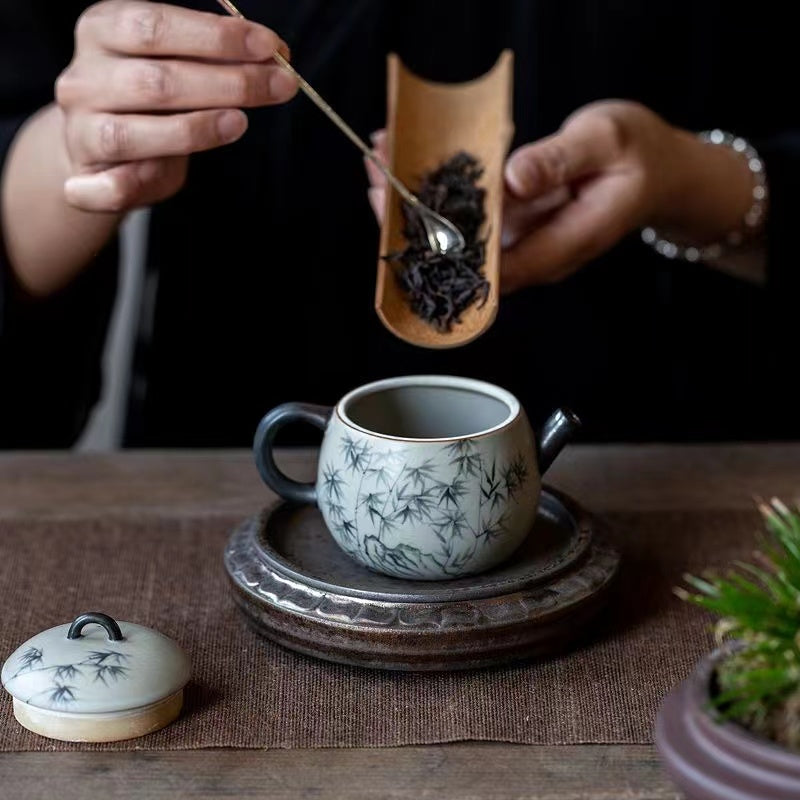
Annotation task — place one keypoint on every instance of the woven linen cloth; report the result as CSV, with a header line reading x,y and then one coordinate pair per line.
x,y
249,693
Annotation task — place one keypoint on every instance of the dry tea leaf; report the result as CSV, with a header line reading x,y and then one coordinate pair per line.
x,y
441,287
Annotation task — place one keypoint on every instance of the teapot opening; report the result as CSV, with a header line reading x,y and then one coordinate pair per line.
x,y
429,408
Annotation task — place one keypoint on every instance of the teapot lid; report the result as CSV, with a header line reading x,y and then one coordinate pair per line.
x,y
95,665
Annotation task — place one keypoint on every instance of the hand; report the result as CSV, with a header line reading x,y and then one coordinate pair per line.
x,y
150,84
612,168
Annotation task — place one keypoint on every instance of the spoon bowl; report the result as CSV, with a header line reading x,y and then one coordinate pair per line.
x,y
428,123
443,236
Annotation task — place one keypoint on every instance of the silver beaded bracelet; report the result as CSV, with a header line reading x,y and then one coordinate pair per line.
x,y
753,219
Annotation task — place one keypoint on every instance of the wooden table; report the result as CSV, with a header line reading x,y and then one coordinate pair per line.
x,y
611,478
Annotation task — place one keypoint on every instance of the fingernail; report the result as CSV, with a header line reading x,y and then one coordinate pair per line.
x,y
80,188
282,85
376,136
231,126
261,43
521,176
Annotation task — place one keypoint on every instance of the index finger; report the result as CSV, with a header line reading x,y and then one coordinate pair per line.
x,y
376,178
579,231
584,146
158,29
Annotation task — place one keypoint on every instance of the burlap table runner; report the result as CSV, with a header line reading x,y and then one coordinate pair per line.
x,y
249,693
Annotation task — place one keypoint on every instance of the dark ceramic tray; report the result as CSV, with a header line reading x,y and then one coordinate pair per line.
x,y
296,587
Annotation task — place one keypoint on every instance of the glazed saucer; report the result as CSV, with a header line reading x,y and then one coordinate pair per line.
x,y
296,587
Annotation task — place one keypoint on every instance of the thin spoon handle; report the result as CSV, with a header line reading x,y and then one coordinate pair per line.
x,y
317,99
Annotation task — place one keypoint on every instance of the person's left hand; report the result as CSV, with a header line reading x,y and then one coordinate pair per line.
x,y
613,167
574,195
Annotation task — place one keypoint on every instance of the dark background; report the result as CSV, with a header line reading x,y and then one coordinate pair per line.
x,y
265,264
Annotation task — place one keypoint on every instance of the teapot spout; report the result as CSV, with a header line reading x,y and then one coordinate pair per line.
x,y
557,431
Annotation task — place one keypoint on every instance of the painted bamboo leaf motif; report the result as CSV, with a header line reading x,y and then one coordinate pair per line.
x,y
460,562
66,672
336,511
333,483
61,695
425,502
515,475
406,512
492,486
460,447
381,475
356,454
372,499
451,493
389,457
414,505
109,672
451,525
386,525
493,529
100,657
102,665
346,530
460,496
468,464
30,658
421,473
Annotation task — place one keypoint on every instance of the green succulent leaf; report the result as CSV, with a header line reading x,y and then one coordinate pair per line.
x,y
757,604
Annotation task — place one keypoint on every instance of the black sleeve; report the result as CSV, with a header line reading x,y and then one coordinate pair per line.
x,y
781,155
50,349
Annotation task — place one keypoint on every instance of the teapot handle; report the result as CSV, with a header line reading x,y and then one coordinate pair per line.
x,y
268,428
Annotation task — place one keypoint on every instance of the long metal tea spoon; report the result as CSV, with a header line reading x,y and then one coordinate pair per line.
x,y
443,235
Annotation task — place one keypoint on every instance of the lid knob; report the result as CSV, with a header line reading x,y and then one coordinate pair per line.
x,y
95,618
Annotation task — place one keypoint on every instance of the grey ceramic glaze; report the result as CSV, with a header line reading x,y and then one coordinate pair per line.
x,y
422,477
712,759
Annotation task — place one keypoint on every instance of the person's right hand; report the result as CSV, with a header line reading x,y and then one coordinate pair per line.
x,y
149,84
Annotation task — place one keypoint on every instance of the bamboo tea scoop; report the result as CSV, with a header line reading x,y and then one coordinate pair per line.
x,y
443,236
427,124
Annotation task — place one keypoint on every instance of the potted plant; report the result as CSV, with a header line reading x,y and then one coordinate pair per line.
x,y
731,731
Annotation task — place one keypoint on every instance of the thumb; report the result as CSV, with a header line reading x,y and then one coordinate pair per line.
x,y
553,163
